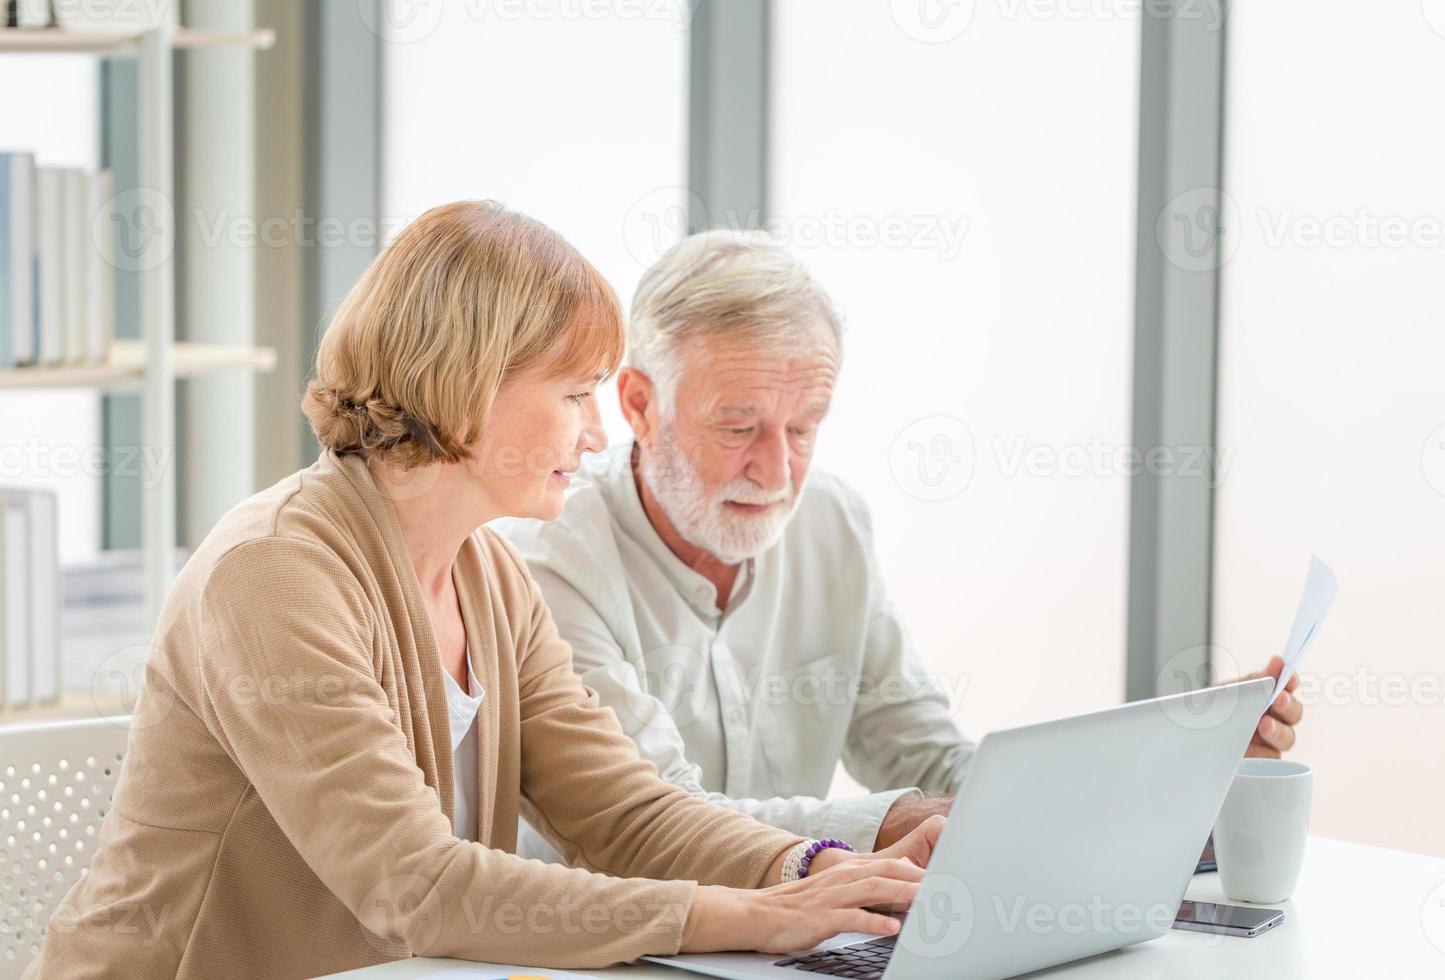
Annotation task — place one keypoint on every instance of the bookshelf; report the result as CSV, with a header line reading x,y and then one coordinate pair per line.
x,y
55,41
152,364
125,368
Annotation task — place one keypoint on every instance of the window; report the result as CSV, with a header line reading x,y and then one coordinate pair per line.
x,y
1330,408
964,187
494,101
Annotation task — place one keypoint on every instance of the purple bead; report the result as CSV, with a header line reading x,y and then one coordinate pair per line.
x,y
816,848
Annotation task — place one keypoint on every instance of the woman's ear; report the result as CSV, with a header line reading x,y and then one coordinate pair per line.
x,y
639,402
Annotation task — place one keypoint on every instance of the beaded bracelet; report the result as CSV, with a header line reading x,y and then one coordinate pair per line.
x,y
816,848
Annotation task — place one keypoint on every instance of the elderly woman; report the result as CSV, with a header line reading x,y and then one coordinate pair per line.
x,y
355,688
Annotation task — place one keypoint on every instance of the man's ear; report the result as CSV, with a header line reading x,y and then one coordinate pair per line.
x,y
639,405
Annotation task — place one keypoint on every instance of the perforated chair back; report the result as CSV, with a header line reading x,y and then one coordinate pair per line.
x,y
56,781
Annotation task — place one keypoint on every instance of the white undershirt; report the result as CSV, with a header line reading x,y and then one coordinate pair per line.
x,y
462,713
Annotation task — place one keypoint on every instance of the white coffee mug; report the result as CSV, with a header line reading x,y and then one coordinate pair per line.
x,y
1259,836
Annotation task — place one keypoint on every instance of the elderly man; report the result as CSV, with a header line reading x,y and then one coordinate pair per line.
x,y
725,602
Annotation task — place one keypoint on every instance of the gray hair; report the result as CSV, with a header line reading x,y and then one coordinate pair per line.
x,y
724,284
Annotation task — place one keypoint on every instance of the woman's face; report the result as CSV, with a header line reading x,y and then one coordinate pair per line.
x,y
536,433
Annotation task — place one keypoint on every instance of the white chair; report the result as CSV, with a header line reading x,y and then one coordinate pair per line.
x,y
56,780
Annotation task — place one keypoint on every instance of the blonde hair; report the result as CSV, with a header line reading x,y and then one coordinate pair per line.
x,y
465,294
723,283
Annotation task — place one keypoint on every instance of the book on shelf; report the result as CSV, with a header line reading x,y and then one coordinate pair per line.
x,y
17,259
28,14
72,264
99,291
29,598
57,264
49,253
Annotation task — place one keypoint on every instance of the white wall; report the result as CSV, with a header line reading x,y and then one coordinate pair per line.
x,y
578,120
1331,392
51,438
985,381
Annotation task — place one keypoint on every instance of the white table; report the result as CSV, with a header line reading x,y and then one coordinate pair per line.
x,y
1359,912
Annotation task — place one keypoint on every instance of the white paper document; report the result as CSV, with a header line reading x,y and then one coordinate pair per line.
x,y
492,971
1321,587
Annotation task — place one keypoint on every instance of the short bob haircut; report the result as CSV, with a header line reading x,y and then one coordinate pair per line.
x,y
465,295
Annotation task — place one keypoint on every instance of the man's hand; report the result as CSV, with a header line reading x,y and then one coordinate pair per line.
x,y
904,815
915,849
1275,733
917,846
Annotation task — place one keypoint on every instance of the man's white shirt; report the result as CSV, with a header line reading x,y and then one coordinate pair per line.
x,y
751,707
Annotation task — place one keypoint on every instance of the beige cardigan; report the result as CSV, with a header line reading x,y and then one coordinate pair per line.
x,y
285,805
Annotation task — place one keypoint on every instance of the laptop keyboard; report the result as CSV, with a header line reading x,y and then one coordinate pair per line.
x,y
866,961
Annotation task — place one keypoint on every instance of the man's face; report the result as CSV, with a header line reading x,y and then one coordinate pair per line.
x,y
728,462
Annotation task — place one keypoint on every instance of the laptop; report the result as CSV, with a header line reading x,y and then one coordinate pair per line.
x,y
1067,839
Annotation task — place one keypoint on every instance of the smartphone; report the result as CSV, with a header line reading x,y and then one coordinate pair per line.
x,y
1230,920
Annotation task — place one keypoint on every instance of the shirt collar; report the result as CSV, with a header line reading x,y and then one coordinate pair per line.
x,y
625,502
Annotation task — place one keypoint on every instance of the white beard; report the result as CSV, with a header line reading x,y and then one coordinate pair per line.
x,y
730,536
